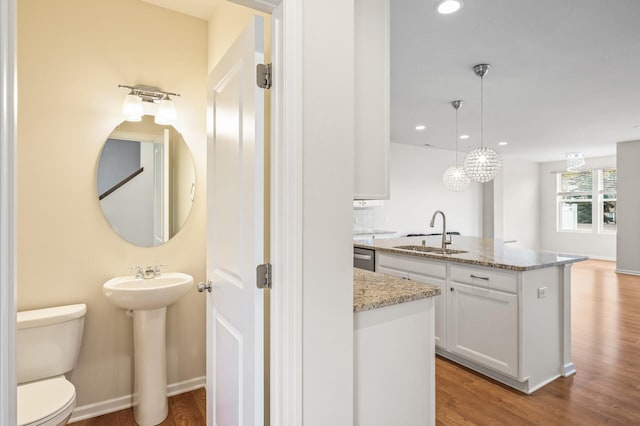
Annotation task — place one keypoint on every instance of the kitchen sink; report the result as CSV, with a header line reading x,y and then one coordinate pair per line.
x,y
427,249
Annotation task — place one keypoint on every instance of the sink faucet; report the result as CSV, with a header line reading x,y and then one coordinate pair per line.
x,y
148,272
445,241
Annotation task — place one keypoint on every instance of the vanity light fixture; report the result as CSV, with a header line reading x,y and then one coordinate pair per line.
x,y
447,7
149,100
575,161
420,127
503,143
454,178
482,164
464,136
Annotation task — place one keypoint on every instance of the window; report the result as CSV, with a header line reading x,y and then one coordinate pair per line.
x,y
608,196
575,196
583,196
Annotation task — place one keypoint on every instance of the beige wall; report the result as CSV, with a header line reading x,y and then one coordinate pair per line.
x,y
226,24
72,54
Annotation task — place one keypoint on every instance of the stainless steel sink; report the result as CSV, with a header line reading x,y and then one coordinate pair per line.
x,y
427,249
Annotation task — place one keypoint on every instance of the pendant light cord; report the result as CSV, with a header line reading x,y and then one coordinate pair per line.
x,y
456,137
481,111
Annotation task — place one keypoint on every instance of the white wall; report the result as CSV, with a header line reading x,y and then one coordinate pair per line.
x,y
417,191
327,187
516,203
589,244
628,208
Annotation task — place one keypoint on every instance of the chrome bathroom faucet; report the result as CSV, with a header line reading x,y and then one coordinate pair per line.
x,y
148,272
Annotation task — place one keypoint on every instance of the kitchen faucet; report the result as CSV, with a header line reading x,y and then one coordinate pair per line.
x,y
445,241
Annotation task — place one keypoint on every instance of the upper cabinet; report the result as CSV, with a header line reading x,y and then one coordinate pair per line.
x,y
372,98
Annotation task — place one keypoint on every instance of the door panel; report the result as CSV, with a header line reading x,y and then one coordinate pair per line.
x,y
235,235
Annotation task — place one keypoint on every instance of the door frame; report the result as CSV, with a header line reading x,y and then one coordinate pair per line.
x,y
286,203
8,187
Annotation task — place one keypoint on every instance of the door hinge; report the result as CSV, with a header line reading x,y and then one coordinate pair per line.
x,y
263,275
263,76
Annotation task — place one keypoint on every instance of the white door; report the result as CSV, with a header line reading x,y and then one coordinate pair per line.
x,y
235,234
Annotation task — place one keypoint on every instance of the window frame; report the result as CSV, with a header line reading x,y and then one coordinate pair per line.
x,y
597,203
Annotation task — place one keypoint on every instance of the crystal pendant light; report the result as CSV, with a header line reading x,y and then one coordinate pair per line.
x,y
454,178
482,164
575,161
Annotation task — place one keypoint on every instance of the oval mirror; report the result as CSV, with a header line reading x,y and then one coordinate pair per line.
x,y
146,181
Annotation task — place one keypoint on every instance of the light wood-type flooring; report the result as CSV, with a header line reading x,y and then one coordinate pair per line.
x,y
605,390
186,409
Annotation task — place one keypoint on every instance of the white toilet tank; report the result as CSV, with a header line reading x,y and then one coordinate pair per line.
x,y
48,341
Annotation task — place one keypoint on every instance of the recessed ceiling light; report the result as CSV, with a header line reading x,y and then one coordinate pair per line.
x,y
464,136
445,7
421,127
503,143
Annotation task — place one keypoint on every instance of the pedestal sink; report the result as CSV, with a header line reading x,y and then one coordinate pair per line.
x,y
149,298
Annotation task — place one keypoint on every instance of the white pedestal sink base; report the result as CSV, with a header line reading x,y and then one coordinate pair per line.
x,y
150,404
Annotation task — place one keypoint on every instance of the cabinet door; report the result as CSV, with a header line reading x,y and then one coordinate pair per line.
x,y
483,326
440,306
372,125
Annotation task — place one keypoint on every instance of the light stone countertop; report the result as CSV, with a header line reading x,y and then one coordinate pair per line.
x,y
372,290
482,252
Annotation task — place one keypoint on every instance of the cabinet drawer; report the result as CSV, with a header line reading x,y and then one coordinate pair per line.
x,y
485,277
418,265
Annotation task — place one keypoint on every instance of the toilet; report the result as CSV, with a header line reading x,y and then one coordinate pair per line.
x,y
47,345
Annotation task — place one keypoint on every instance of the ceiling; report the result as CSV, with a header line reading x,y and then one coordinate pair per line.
x,y
564,76
202,9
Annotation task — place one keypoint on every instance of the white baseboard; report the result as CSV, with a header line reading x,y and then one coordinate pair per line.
x,y
121,403
627,272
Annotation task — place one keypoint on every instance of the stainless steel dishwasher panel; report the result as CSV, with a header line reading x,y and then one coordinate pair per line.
x,y
364,258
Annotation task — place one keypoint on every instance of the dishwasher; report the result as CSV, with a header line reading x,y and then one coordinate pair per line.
x,y
364,258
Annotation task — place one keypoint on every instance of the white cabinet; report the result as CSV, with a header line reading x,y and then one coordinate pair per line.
x,y
513,326
394,369
372,125
483,316
423,271
483,326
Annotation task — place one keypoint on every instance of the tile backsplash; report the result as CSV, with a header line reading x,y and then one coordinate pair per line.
x,y
362,219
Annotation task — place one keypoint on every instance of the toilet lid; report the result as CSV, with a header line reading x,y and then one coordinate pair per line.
x,y
44,398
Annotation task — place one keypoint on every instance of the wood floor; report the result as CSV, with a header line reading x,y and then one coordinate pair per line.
x,y
606,352
187,409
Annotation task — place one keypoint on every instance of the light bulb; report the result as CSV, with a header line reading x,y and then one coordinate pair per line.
x,y
132,107
445,7
166,112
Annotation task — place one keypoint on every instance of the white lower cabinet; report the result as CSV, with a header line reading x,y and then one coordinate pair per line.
x,y
513,326
483,326
423,271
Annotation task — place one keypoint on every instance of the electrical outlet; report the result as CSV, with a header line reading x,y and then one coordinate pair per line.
x,y
542,292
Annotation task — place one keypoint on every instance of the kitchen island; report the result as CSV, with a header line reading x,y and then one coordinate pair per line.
x,y
394,353
505,312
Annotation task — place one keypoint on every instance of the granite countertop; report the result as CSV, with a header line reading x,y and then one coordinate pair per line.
x,y
372,290
482,252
